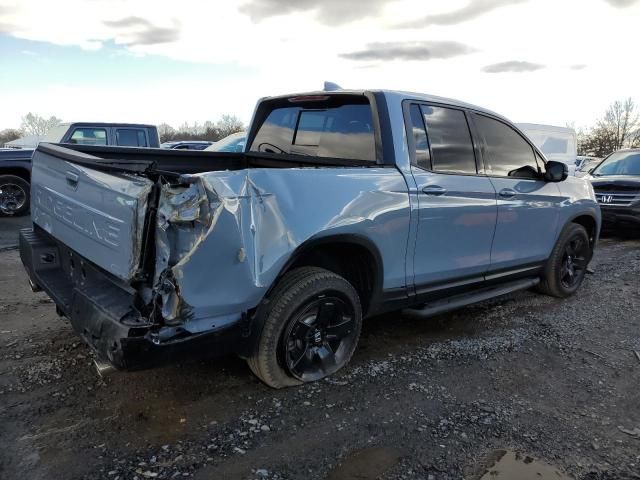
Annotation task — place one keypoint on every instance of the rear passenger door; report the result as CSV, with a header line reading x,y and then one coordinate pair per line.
x,y
527,205
456,206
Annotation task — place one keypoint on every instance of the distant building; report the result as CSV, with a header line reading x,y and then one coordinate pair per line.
x,y
28,141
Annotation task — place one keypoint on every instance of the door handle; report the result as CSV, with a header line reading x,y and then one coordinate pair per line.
x,y
72,179
434,190
507,193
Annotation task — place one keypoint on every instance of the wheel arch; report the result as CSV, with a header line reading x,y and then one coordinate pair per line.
x,y
21,172
352,256
590,224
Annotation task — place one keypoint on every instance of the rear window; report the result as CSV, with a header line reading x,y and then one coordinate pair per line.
x,y
131,137
334,131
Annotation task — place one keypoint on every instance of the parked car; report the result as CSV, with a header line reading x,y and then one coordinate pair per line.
x,y
15,164
584,164
187,145
344,205
231,143
557,143
616,181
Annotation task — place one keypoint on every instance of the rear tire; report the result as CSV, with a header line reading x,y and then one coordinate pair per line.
x,y
14,196
567,265
307,329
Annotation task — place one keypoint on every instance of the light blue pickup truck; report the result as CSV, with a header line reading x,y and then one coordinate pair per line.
x,y
344,205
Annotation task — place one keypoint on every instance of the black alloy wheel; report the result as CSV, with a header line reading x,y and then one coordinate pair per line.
x,y
319,337
574,261
306,329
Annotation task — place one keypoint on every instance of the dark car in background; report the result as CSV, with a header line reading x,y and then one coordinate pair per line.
x,y
15,164
616,181
187,145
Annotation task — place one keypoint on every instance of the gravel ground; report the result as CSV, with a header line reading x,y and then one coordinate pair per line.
x,y
522,377
9,227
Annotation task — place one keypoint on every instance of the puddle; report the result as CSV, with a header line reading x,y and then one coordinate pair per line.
x,y
366,464
507,465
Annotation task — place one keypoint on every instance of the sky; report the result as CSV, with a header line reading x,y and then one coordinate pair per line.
x,y
153,61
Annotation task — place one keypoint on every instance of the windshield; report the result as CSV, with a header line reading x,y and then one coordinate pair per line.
x,y
620,163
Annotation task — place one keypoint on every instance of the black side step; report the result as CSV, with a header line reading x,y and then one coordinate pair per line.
x,y
463,299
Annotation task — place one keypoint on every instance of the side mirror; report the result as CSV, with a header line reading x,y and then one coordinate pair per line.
x,y
556,171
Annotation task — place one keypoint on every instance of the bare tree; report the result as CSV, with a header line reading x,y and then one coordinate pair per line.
x,y
619,128
599,142
229,124
166,132
622,121
209,130
9,134
34,124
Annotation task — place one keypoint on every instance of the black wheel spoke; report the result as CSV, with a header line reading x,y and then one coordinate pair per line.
x,y
327,311
305,360
580,262
326,357
339,330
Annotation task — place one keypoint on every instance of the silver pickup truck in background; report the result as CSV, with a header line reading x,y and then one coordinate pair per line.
x,y
344,205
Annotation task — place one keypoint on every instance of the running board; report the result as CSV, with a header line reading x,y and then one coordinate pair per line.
x,y
464,299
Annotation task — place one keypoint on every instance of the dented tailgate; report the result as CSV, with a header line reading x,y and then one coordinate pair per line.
x,y
97,214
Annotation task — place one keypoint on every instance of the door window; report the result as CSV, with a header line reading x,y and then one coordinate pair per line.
x,y
131,137
89,136
506,153
450,140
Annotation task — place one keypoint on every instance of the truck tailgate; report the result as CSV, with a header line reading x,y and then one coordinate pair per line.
x,y
97,214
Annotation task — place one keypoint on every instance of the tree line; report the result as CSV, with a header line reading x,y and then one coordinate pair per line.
x,y
34,124
618,128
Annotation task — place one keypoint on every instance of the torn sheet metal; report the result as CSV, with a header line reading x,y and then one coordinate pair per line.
x,y
222,240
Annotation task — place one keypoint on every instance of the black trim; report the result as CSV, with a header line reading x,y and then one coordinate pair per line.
x,y
380,110
438,290
470,297
177,162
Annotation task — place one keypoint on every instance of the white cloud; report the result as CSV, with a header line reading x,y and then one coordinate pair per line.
x,y
298,49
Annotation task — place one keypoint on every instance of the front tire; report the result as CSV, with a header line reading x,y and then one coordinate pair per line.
x,y
14,195
568,262
308,328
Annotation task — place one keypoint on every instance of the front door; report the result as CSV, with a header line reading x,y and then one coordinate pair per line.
x,y
527,205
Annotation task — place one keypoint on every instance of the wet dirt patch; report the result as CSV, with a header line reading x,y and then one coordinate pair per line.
x,y
366,464
509,465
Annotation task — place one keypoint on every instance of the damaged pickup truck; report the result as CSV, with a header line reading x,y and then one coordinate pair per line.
x,y
345,204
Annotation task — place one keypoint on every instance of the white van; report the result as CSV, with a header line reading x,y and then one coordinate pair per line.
x,y
557,143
